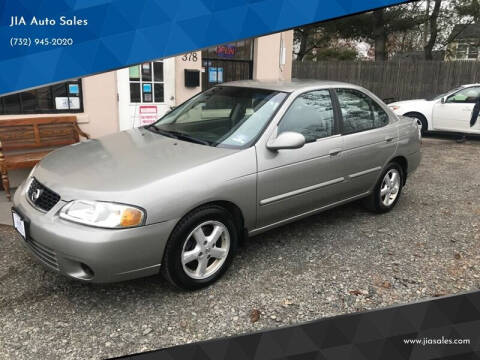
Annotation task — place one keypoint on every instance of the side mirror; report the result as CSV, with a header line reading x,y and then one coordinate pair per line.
x,y
287,140
444,100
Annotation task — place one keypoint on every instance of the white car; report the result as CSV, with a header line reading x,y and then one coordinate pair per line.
x,y
451,111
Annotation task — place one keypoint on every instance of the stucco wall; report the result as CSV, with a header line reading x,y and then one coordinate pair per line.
x,y
100,116
100,104
183,93
266,52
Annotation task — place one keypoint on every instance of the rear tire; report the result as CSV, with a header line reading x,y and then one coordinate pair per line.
x,y
200,248
387,191
421,120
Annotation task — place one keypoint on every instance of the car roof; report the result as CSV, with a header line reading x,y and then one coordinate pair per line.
x,y
287,86
296,84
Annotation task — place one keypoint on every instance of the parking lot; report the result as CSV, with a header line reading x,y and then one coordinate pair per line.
x,y
343,260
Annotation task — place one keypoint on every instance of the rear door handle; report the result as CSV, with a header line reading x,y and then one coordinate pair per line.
x,y
335,152
389,138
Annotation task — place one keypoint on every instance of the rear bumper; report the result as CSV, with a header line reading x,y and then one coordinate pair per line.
x,y
92,254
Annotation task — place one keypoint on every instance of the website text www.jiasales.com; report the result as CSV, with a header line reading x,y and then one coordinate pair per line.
x,y
436,341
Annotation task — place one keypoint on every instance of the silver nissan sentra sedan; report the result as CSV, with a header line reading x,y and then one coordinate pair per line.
x,y
177,196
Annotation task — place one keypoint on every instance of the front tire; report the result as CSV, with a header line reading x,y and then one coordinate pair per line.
x,y
388,189
200,248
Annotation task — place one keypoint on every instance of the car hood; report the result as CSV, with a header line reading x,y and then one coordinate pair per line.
x,y
120,162
408,102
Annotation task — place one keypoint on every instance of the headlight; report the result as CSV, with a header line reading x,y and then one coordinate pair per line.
x,y
394,107
102,214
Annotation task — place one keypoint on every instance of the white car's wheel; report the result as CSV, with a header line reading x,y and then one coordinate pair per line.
x,y
421,121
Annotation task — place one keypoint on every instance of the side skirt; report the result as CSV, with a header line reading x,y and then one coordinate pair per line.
x,y
306,214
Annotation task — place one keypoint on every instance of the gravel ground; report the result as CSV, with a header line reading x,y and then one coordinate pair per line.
x,y
343,260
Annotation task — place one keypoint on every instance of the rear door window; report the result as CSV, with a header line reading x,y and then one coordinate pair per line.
x,y
359,111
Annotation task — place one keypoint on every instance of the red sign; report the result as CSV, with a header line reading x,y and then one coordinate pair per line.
x,y
148,114
226,51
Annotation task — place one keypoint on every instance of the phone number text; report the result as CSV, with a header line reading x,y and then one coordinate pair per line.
x,y
27,42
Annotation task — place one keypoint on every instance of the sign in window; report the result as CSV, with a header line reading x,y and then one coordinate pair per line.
x,y
58,98
147,83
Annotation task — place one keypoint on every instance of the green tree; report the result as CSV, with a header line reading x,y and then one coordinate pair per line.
x,y
377,26
309,38
469,9
424,25
331,53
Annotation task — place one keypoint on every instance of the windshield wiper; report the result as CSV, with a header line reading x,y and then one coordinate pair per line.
x,y
177,135
155,129
182,136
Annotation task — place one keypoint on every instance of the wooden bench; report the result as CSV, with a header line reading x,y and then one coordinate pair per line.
x,y
24,142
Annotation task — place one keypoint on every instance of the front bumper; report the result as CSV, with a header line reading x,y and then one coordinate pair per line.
x,y
88,253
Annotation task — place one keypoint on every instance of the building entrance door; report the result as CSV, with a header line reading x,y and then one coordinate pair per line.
x,y
145,92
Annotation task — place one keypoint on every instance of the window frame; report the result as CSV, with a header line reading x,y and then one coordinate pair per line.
x,y
466,53
472,49
152,82
78,82
342,131
336,119
456,92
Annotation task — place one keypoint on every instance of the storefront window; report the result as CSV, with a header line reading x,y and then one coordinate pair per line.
x,y
58,98
227,62
239,50
146,83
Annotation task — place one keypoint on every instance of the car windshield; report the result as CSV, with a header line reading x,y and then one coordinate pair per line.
x,y
438,97
223,116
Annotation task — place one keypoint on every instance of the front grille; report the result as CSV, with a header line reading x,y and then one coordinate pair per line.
x,y
41,196
45,254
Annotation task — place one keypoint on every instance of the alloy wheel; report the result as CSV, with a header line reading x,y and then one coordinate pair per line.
x,y
205,250
390,187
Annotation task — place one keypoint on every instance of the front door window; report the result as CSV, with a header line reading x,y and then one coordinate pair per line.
x,y
465,96
311,115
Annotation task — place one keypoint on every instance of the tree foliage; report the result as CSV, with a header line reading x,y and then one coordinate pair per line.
x,y
423,26
469,9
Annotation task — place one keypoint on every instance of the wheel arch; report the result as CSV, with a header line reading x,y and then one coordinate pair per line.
x,y
403,162
229,206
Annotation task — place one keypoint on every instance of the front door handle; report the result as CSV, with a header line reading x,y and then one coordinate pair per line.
x,y
389,138
335,152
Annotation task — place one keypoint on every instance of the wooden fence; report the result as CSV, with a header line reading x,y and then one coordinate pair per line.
x,y
394,80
